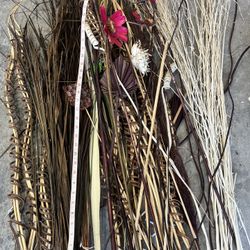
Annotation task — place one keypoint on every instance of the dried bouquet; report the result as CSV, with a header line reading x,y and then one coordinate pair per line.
x,y
99,95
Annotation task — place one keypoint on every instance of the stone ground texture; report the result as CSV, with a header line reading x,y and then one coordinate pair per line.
x,y
6,236
240,133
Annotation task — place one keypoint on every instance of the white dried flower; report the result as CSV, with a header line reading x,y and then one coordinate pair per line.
x,y
167,81
173,67
140,58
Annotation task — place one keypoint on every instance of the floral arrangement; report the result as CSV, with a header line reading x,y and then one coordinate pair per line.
x,y
142,82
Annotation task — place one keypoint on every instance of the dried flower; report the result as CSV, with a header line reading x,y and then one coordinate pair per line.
x,y
113,26
123,70
148,21
70,92
137,16
140,58
167,80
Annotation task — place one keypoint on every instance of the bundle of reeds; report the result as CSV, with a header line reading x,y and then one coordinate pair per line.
x,y
149,66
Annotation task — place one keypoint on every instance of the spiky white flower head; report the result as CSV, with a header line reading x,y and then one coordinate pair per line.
x,y
140,58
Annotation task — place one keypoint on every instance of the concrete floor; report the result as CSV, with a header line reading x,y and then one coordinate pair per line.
x,y
6,236
240,134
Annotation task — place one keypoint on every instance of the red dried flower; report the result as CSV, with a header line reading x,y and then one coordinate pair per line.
x,y
143,21
137,16
113,26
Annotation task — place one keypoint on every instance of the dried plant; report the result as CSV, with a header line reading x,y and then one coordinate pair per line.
x,y
129,161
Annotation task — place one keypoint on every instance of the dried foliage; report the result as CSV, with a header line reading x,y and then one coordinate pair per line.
x,y
129,161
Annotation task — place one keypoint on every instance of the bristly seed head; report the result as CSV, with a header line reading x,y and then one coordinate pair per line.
x,y
140,58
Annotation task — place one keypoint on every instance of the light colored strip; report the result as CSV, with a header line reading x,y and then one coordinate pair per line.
x,y
76,132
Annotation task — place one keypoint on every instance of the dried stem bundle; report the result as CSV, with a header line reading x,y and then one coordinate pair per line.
x,y
129,161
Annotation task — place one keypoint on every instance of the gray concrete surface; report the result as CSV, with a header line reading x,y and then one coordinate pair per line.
x,y
240,135
6,237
